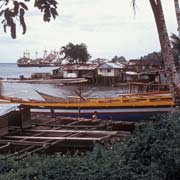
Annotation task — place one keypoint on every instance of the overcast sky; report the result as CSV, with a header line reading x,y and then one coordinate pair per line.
x,y
107,27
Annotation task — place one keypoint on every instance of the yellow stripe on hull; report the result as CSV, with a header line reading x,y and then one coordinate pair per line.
x,y
131,101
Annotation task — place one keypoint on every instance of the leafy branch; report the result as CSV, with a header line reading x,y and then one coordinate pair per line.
x,y
12,10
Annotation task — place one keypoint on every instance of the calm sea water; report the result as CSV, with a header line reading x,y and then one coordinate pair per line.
x,y
11,70
27,90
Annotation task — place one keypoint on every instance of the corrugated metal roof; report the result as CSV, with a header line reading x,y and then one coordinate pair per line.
x,y
6,108
111,65
80,67
133,62
131,73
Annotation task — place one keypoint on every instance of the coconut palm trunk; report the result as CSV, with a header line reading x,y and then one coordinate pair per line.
x,y
167,55
177,10
1,88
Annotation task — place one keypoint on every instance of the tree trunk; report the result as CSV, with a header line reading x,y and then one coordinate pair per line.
x,y
177,10
167,55
1,87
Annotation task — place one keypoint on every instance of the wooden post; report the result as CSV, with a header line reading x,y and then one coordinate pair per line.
x,y
3,125
25,117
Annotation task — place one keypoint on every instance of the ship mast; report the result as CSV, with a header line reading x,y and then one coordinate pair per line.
x,y
36,54
45,54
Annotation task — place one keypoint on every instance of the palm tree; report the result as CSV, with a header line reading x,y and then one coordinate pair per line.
x,y
167,54
1,88
177,10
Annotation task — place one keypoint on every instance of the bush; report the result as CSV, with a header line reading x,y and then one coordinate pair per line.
x,y
152,152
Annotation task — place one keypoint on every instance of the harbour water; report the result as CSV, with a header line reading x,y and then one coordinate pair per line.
x,y
11,70
27,90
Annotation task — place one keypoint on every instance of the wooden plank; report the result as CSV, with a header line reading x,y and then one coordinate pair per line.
x,y
26,143
68,126
77,131
55,138
5,146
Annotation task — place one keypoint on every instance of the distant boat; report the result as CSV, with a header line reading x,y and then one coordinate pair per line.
x,y
35,65
50,60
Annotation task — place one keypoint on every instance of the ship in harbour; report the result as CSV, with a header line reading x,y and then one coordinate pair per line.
x,y
48,60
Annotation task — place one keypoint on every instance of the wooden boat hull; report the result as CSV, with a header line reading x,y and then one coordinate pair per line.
x,y
122,114
121,108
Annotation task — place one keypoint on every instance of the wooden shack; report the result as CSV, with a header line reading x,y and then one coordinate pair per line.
x,y
80,70
40,75
110,73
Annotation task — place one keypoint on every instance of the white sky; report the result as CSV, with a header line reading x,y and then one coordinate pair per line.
x,y
107,27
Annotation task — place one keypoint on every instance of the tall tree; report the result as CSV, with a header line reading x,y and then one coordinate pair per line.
x,y
1,88
166,50
117,59
177,10
75,54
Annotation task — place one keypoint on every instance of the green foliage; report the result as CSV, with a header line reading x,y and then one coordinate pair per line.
x,y
152,152
75,53
117,59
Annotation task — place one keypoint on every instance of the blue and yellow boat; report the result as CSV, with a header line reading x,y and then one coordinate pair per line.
x,y
125,107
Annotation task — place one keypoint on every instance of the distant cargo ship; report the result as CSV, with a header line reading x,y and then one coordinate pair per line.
x,y
19,64
48,60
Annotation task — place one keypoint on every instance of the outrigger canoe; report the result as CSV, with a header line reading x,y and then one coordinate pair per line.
x,y
137,107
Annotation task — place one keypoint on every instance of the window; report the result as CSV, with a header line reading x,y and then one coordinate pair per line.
x,y
108,70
